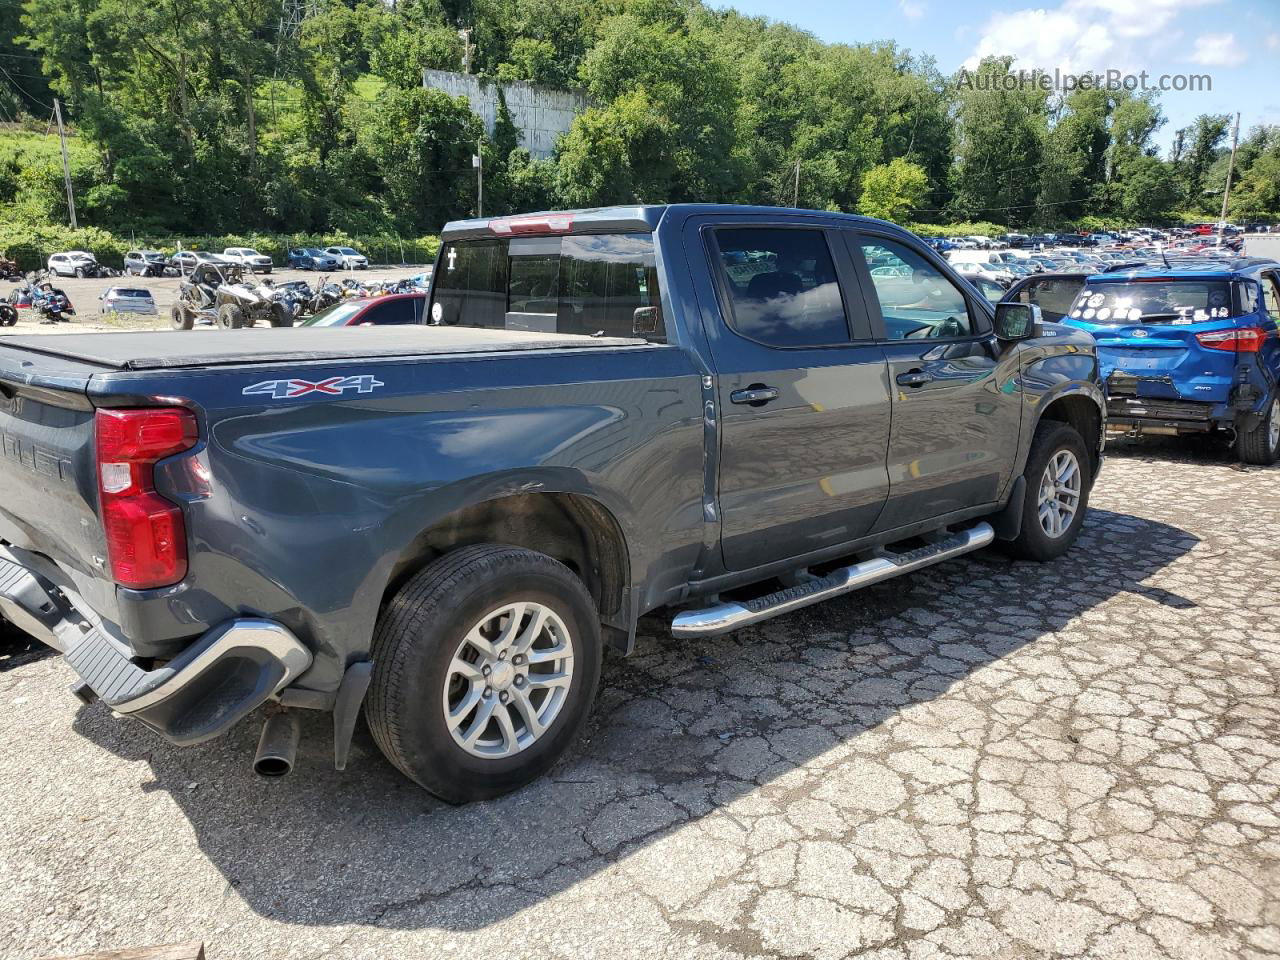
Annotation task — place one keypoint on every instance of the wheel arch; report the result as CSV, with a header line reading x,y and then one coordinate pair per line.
x,y
572,528
1084,413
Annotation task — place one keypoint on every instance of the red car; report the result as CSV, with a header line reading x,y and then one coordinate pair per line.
x,y
394,308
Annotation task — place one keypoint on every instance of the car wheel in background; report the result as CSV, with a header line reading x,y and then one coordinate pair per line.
x,y
485,666
1058,477
1261,445
281,316
230,317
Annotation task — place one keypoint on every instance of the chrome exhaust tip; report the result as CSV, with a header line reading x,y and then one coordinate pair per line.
x,y
278,746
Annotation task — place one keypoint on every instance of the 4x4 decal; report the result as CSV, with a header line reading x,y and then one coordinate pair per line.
x,y
332,386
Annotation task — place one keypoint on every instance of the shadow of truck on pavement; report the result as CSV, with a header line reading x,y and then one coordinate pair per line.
x,y
681,729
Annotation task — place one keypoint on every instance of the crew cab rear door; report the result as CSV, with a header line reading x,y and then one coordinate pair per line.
x,y
957,400
802,392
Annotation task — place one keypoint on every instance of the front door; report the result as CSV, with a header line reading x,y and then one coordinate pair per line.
x,y
802,393
956,395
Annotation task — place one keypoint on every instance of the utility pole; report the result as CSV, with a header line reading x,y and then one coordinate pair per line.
x,y
66,164
477,161
466,50
795,197
1226,190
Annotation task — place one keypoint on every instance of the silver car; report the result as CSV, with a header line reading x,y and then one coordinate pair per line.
x,y
248,258
351,259
127,300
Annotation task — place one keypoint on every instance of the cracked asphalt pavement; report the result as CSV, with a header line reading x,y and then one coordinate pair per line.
x,y
984,759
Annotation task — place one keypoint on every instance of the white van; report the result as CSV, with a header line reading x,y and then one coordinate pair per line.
x,y
975,256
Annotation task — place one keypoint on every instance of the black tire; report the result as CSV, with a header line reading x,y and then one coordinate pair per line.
x,y
416,639
180,318
1033,541
281,316
8,315
80,273
1261,445
230,317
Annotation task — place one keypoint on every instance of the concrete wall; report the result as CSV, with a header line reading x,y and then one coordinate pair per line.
x,y
541,115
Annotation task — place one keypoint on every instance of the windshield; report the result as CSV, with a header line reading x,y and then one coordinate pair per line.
x,y
1172,301
335,316
346,251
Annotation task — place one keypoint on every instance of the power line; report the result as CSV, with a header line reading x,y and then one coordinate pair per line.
x,y
24,91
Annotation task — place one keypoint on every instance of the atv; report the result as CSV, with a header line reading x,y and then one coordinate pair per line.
x,y
217,293
9,269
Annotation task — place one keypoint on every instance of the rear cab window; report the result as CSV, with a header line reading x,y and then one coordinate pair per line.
x,y
590,284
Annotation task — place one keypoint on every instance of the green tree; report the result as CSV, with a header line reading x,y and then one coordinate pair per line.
x,y
890,191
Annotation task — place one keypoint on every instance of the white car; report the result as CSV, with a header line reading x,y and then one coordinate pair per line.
x,y
73,263
127,300
248,258
350,259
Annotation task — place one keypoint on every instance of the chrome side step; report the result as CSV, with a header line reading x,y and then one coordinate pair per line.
x,y
725,617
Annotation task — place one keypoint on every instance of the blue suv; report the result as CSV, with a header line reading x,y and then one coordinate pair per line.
x,y
1190,348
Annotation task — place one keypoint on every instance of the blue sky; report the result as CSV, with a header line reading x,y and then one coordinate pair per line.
x,y
1235,42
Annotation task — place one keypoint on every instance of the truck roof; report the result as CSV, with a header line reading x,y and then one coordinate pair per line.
x,y
643,218
175,349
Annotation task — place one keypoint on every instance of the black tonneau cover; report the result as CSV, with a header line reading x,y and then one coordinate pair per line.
x,y
167,350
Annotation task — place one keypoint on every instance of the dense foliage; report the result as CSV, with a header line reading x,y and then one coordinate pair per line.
x,y
207,116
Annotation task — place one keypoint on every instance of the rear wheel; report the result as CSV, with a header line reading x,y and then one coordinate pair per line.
x,y
1261,445
230,317
281,316
1058,481
485,666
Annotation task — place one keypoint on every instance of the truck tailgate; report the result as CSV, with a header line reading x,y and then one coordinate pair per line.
x,y
48,490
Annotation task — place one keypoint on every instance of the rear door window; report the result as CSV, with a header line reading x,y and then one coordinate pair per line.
x,y
591,284
781,286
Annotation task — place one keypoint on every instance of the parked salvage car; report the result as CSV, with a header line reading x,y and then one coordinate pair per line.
x,y
716,410
348,258
248,258
391,309
186,260
312,258
145,263
74,263
1190,348
127,300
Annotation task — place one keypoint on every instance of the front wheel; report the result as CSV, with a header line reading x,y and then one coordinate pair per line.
x,y
1058,478
180,318
1261,445
485,667
230,317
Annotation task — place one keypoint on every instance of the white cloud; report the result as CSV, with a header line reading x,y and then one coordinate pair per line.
x,y
1273,41
1087,35
1218,50
911,9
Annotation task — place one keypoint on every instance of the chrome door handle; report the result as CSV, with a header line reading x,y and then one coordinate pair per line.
x,y
914,378
756,396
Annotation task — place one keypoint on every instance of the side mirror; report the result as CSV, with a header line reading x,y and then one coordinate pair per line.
x,y
1017,321
645,321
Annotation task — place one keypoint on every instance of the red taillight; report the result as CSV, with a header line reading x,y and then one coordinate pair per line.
x,y
556,223
1243,340
146,538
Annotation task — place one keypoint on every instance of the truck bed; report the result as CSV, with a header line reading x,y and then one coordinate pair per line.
x,y
177,349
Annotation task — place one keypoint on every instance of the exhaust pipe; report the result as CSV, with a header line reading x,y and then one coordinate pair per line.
x,y
278,747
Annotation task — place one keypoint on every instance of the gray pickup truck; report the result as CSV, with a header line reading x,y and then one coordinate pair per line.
x,y
727,412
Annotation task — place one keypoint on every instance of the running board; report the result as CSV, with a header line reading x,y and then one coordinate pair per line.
x,y
725,617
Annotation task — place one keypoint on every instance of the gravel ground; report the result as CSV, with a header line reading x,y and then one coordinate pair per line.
x,y
983,759
84,296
